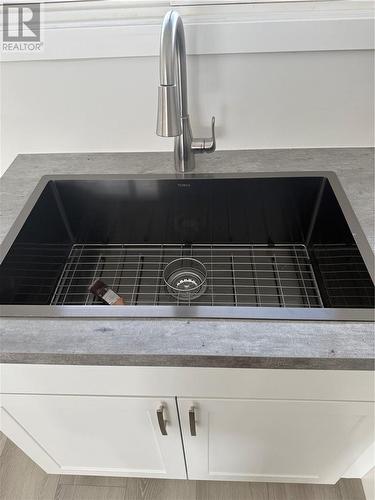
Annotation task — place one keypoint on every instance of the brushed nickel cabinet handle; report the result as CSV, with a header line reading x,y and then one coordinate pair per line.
x,y
192,422
162,422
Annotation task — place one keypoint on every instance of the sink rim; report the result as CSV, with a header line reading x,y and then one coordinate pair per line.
x,y
196,311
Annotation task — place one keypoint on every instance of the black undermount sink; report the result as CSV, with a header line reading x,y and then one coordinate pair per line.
x,y
280,246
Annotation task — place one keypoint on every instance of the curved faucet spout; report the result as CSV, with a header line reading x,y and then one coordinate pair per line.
x,y
173,57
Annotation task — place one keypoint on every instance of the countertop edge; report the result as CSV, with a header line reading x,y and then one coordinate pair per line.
x,y
193,361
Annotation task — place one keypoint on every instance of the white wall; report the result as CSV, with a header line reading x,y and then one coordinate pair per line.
x,y
265,100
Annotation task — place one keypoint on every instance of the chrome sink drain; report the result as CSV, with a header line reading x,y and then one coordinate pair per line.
x,y
185,278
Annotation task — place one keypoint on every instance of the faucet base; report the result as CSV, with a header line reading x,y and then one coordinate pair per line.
x,y
184,157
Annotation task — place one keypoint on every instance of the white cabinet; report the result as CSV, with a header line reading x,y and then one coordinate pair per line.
x,y
273,440
97,435
251,425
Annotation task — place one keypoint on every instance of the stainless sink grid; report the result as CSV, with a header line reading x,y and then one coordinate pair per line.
x,y
237,275
342,272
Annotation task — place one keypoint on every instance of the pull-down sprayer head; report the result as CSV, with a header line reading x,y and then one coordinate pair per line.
x,y
168,124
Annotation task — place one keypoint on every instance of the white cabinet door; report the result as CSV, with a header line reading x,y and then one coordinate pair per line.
x,y
273,440
96,435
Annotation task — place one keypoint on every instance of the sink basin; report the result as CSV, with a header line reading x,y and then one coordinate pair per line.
x,y
280,246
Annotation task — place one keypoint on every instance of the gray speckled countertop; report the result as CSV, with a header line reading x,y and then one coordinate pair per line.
x,y
222,343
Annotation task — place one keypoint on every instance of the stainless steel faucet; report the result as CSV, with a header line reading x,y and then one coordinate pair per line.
x,y
173,116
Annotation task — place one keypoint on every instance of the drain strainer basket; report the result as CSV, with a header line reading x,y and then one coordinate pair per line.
x,y
185,278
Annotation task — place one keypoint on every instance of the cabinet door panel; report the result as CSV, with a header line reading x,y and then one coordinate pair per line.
x,y
268,440
98,435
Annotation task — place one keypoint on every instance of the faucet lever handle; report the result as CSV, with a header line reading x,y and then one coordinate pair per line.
x,y
205,145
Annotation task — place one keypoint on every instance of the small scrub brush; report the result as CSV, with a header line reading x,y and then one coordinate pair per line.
x,y
106,294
